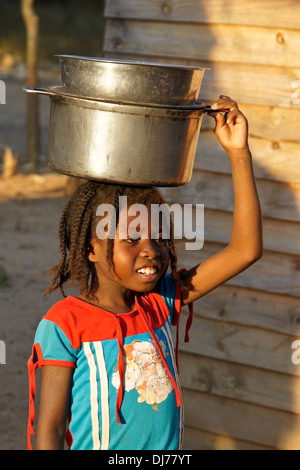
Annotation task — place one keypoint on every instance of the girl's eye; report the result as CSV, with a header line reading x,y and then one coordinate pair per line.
x,y
132,240
161,241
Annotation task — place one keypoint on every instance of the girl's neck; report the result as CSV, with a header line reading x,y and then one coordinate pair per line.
x,y
112,303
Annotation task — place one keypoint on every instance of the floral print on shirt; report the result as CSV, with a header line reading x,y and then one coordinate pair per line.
x,y
145,372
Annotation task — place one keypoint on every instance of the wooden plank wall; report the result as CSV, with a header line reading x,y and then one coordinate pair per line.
x,y
241,388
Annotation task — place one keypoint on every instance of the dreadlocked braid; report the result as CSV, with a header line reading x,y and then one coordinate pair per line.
x,y
78,227
74,231
110,242
173,256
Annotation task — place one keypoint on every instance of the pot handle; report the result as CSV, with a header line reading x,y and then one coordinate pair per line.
x,y
40,91
208,109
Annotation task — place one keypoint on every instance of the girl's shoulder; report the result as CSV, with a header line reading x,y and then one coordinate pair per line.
x,y
62,310
65,314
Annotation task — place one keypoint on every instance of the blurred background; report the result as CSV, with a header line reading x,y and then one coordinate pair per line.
x,y
75,26
63,27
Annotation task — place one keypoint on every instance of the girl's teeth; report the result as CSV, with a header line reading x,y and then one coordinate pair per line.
x,y
148,271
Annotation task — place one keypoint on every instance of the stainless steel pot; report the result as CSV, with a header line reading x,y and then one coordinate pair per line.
x,y
128,81
122,143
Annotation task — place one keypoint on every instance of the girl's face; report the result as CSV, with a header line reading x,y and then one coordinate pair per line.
x,y
139,261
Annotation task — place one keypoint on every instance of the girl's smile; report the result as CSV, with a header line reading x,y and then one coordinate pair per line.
x,y
150,271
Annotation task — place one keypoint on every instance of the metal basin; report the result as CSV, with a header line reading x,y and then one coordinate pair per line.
x,y
128,81
128,144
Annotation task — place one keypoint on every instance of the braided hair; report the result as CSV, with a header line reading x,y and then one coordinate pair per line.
x,y
78,226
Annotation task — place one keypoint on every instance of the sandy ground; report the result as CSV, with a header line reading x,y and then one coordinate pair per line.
x,y
30,208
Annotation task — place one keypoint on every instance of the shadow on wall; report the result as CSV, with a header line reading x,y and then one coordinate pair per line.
x,y
276,388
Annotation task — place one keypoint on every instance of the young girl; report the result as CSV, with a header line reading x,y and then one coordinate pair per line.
x,y
108,364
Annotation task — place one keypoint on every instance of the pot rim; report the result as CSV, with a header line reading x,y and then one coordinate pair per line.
x,y
54,93
173,104
101,60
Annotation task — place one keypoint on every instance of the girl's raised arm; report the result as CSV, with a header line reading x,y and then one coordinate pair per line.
x,y
54,402
246,245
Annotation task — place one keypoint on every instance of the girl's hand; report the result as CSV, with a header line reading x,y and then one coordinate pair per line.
x,y
231,127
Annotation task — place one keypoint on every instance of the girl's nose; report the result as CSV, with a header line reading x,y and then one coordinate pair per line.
x,y
149,249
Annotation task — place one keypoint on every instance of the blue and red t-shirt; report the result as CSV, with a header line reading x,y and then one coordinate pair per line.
x,y
135,350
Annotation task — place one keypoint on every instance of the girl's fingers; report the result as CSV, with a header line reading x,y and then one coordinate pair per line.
x,y
225,102
219,118
231,115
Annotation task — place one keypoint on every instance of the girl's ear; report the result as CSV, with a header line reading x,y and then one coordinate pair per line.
x,y
90,251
